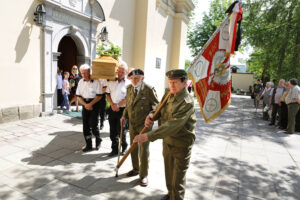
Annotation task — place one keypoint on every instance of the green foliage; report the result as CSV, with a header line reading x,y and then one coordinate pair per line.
x,y
108,49
272,27
201,32
187,64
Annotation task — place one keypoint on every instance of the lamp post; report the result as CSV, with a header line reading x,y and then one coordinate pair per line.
x,y
39,15
103,34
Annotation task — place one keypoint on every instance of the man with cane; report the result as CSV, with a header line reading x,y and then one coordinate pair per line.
x,y
177,122
141,99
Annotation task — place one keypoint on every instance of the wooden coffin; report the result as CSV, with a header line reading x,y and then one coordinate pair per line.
x,y
104,67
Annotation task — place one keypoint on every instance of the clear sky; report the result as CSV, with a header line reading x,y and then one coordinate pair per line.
x,y
202,6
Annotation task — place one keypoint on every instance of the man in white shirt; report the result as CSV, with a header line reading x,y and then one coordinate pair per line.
x,y
89,93
116,93
276,94
292,100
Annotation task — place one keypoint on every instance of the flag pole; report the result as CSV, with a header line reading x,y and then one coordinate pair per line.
x,y
142,131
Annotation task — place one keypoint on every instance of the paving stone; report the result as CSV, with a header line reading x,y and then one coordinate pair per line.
x,y
8,193
8,149
42,157
10,114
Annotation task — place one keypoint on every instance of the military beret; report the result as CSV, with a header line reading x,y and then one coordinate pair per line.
x,y
136,72
176,73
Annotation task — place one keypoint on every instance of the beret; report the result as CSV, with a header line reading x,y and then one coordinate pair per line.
x,y
136,72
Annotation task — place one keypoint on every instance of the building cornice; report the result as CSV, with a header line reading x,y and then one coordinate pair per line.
x,y
69,10
176,8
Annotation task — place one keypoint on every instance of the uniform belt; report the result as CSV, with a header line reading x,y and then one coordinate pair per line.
x,y
293,103
88,99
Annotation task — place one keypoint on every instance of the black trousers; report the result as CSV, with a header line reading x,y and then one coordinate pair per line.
x,y
284,115
60,97
102,108
115,129
275,110
90,124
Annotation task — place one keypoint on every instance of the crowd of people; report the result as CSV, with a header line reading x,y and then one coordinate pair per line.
x,y
133,102
280,102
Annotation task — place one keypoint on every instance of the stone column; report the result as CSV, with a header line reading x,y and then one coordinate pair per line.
x,y
179,41
55,56
48,71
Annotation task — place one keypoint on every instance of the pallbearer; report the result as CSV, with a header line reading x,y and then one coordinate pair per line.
x,y
141,99
177,122
89,93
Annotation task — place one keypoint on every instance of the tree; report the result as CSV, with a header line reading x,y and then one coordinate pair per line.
x,y
272,28
201,32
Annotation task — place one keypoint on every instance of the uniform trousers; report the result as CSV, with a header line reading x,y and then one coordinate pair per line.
x,y
293,109
115,129
90,124
176,161
102,109
140,153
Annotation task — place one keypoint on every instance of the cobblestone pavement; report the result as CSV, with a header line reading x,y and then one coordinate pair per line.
x,y
237,156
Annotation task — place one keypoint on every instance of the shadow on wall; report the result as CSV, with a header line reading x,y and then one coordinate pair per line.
x,y
23,41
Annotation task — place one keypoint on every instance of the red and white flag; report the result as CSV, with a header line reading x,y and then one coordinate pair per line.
x,y
210,70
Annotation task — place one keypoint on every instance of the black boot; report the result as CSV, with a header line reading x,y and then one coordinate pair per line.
x,y
88,147
98,143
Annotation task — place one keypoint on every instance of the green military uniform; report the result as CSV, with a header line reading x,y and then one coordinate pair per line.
x,y
177,121
137,108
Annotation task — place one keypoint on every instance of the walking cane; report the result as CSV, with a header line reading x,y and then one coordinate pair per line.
x,y
142,131
120,144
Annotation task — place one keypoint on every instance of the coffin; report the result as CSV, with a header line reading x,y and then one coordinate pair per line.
x,y
104,67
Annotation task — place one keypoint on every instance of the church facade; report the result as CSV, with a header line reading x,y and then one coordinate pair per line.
x,y
151,33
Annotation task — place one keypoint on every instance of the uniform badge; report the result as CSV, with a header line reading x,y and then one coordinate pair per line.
x,y
188,99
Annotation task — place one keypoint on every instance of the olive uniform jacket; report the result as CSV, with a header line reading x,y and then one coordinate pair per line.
x,y
137,108
176,120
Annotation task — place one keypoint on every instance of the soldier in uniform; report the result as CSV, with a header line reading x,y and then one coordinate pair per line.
x,y
177,122
141,99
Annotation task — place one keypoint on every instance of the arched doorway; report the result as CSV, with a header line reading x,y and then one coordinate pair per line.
x,y
68,57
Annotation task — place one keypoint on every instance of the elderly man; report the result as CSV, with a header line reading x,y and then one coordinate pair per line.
x,y
116,93
177,122
89,93
141,99
276,94
292,100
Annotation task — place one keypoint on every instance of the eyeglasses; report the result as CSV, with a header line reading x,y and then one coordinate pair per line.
x,y
74,68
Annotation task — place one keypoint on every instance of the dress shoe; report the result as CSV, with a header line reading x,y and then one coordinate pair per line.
x,y
87,149
271,124
288,132
98,143
123,152
166,197
144,181
132,173
113,153
98,146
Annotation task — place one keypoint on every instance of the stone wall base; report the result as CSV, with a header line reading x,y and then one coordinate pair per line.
x,y
15,113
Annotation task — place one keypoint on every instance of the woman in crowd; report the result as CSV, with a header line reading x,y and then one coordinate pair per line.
x,y
73,80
